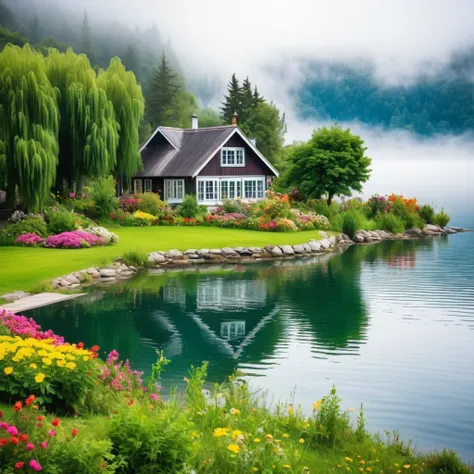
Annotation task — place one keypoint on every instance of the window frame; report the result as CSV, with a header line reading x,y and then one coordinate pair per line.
x,y
171,188
230,187
225,159
136,189
146,188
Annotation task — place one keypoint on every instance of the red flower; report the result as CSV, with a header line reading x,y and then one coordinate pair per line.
x,y
55,422
19,465
1,414
14,440
17,407
130,402
30,400
40,418
80,345
39,425
75,432
23,437
95,348
3,442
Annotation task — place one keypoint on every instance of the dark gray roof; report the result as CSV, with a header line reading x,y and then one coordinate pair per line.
x,y
189,150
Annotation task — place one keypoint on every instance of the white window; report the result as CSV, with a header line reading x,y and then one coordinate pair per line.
x,y
174,190
148,186
233,157
208,190
137,186
218,189
253,189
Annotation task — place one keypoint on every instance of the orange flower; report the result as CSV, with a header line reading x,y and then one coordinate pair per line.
x,y
74,432
17,407
30,400
95,348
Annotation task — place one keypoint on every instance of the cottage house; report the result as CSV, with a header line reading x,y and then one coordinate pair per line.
x,y
215,163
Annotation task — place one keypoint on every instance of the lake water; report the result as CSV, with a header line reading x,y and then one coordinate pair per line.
x,y
390,325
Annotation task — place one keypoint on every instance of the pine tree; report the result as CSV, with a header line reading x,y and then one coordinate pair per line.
x,y
131,60
257,98
29,123
88,132
34,30
86,43
232,102
247,101
127,99
163,95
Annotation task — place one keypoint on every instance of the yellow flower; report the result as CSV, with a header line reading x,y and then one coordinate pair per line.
x,y
348,459
317,404
285,435
33,366
60,363
236,433
268,436
361,469
43,353
234,448
286,466
257,440
218,432
406,466
290,410
195,434
235,411
8,370
71,365
47,361
350,410
39,377
255,469
301,440
362,461
368,469
86,358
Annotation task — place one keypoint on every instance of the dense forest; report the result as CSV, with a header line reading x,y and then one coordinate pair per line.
x,y
441,103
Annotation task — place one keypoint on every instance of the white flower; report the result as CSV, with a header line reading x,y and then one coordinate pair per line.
x,y
108,236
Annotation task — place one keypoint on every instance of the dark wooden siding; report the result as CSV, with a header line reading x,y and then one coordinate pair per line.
x,y
254,166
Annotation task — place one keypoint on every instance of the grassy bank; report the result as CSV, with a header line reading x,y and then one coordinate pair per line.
x,y
26,268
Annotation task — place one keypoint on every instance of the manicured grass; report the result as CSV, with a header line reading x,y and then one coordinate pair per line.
x,y
27,268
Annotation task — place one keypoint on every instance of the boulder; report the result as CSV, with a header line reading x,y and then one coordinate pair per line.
x,y
63,282
217,257
156,258
358,238
315,246
108,279
458,229
17,295
243,251
450,230
215,251
324,234
255,250
92,271
173,253
124,276
107,273
325,243
415,232
287,249
433,228
375,235
307,248
197,260
299,249
190,251
230,253
275,251
427,231
332,239
193,256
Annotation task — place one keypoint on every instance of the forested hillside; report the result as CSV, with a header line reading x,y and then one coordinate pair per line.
x,y
441,103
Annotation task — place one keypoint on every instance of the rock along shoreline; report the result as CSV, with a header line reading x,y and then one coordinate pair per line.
x,y
175,259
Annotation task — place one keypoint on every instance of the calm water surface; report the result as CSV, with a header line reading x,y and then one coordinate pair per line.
x,y
391,325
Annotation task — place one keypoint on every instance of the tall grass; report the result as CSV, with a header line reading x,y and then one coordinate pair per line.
x,y
390,222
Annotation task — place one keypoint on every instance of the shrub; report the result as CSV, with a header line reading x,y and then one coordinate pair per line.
x,y
102,192
129,203
17,216
136,258
149,441
446,462
109,237
442,219
7,239
376,205
150,203
390,222
352,204
351,223
427,213
189,207
143,218
271,208
63,221
30,225
336,222
28,240
74,240
320,206
230,206
85,206
56,374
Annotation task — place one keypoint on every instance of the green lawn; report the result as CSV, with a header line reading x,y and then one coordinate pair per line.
x,y
26,268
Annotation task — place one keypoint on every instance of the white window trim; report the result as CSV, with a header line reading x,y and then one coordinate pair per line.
x,y
234,149
170,182
135,187
218,179
146,188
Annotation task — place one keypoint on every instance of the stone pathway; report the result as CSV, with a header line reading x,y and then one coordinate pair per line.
x,y
36,301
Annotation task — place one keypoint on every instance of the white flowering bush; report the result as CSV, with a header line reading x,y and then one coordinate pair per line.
x,y
109,237
17,216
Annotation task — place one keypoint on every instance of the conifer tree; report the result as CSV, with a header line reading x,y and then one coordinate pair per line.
x,y
247,101
88,132
127,99
29,123
34,30
131,60
86,43
232,101
164,89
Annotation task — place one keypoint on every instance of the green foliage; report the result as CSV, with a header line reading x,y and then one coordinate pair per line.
x,y
102,192
351,223
427,213
331,163
32,224
135,258
441,218
150,441
10,37
151,203
410,219
209,118
189,207
320,206
156,370
29,123
390,222
128,103
230,206
376,205
446,462
63,221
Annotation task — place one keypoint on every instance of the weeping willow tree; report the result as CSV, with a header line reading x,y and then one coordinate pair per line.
x,y
129,105
29,122
88,131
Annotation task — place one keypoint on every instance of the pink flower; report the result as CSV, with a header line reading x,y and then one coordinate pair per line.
x,y
35,465
52,433
112,357
4,425
12,430
72,195
154,396
29,446
43,444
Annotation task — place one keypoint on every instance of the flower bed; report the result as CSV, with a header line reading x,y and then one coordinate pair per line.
x,y
28,240
74,240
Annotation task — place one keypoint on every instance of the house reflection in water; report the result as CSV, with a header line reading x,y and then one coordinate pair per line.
x,y
231,330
